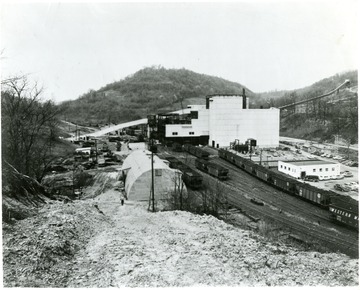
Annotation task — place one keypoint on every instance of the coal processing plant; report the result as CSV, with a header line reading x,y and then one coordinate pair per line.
x,y
223,119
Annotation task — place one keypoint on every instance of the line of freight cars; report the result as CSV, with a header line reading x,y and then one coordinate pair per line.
x,y
211,168
197,151
343,209
191,178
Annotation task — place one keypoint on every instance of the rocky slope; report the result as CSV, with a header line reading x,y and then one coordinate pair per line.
x,y
99,243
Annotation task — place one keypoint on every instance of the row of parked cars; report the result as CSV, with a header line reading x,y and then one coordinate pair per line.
x,y
349,186
339,158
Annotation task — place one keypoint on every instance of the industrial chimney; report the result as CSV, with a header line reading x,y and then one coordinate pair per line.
x,y
244,98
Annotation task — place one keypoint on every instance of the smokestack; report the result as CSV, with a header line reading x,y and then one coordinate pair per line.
x,y
244,98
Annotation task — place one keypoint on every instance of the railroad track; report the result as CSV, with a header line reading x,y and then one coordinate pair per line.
x,y
289,212
265,192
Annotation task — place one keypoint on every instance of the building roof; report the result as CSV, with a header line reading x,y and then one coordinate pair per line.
x,y
309,162
138,163
140,160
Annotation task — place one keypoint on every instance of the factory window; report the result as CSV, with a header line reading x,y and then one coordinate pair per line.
x,y
333,169
320,169
289,168
326,169
314,170
194,114
191,133
280,166
284,167
174,133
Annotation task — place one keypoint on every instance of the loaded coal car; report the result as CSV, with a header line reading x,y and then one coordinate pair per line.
x,y
197,151
263,174
201,164
177,147
218,171
345,210
314,194
228,156
191,178
212,168
173,162
282,182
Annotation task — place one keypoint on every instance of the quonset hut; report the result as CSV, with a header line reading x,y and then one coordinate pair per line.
x,y
137,169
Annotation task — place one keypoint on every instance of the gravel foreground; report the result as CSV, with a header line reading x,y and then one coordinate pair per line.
x,y
80,245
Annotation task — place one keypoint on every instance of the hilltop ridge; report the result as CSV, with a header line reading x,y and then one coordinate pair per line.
x,y
148,91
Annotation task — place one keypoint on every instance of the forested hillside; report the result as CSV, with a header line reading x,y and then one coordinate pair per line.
x,y
279,98
320,119
156,89
150,90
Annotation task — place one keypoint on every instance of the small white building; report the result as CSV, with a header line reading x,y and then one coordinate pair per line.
x,y
300,169
84,150
137,169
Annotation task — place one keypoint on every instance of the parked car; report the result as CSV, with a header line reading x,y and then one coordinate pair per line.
x,y
347,174
312,178
352,185
341,187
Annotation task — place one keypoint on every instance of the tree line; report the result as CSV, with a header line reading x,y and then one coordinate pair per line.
x,y
29,127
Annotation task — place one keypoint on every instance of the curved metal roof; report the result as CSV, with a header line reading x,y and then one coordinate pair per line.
x,y
138,177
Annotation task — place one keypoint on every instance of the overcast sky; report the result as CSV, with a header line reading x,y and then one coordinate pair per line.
x,y
71,48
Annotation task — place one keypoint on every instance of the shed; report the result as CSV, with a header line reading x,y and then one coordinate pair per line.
x,y
137,169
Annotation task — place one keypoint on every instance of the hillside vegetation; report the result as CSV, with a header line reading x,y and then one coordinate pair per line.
x,y
157,90
320,119
150,90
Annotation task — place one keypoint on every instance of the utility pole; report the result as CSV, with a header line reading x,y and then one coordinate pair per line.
x,y
96,151
152,182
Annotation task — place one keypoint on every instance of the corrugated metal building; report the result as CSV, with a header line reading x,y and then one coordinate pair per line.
x,y
137,168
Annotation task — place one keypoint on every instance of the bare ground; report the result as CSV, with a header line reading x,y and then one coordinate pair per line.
x,y
78,245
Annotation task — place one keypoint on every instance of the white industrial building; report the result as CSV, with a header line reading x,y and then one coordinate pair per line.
x,y
225,118
137,169
299,169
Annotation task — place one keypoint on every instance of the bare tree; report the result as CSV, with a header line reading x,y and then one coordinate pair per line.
x,y
28,126
214,198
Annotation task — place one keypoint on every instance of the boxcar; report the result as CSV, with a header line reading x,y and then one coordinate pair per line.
x,y
345,210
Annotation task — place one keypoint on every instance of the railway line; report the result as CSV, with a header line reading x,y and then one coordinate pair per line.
x,y
293,215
